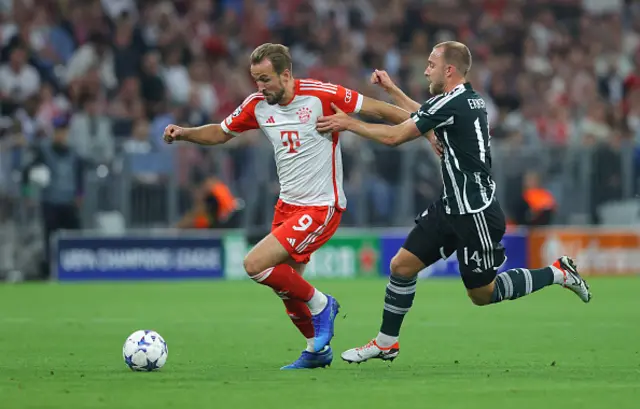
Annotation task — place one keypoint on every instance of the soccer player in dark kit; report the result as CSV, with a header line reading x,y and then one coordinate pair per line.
x,y
467,218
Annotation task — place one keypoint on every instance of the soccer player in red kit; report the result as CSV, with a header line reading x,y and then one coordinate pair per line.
x,y
309,166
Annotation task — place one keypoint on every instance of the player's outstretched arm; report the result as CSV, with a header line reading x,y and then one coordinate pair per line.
x,y
401,99
212,134
383,110
391,135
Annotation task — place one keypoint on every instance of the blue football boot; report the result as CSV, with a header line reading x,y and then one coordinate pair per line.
x,y
310,360
323,323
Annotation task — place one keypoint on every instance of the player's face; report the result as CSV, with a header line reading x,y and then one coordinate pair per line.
x,y
269,83
435,72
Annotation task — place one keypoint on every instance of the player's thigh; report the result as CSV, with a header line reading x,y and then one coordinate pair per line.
x,y
431,239
480,252
307,230
268,253
280,215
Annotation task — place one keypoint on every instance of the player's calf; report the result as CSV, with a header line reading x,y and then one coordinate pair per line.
x,y
481,296
398,300
519,282
287,283
323,308
479,264
301,317
266,265
510,285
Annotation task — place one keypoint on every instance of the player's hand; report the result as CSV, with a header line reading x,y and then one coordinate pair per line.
x,y
435,144
334,123
173,133
381,78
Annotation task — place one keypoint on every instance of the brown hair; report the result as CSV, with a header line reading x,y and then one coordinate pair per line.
x,y
278,54
456,54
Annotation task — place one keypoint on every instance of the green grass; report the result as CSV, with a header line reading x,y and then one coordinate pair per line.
x,y
60,347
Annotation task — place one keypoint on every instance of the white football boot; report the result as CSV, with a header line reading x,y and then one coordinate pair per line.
x,y
370,351
572,279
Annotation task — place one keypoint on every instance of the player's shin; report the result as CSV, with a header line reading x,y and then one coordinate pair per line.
x,y
398,300
284,280
518,282
300,316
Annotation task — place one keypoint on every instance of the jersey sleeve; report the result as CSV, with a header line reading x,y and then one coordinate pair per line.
x,y
433,114
348,100
243,118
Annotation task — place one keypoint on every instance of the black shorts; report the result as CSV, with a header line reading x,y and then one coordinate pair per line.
x,y
476,237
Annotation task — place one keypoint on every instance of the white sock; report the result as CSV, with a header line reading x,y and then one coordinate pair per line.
x,y
310,344
317,302
310,347
385,341
558,275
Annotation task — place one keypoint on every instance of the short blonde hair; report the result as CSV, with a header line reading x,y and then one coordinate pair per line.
x,y
278,54
456,54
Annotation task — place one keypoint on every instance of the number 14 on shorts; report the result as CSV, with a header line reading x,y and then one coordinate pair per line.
x,y
475,256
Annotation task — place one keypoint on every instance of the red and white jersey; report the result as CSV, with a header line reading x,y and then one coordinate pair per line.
x,y
309,163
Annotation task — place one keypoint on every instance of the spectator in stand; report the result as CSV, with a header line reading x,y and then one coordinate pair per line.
x,y
556,75
62,190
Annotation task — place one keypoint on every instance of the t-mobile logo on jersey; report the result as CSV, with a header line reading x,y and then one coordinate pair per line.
x,y
290,139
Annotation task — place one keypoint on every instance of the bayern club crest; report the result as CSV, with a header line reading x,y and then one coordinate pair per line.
x,y
304,114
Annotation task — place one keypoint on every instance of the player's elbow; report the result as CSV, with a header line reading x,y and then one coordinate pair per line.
x,y
225,138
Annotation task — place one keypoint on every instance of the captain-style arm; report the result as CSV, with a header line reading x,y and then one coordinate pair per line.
x,y
384,111
211,134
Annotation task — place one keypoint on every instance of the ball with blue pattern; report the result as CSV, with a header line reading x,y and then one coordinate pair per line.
x,y
145,351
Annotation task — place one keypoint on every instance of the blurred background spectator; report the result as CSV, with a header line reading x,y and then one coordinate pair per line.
x,y
58,168
560,78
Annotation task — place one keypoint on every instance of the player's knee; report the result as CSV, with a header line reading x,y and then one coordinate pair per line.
x,y
400,268
252,266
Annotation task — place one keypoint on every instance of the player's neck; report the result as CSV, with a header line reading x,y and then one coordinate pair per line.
x,y
454,84
289,93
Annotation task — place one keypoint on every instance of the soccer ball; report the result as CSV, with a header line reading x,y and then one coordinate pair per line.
x,y
145,350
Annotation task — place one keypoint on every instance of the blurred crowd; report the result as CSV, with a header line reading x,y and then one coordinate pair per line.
x,y
112,74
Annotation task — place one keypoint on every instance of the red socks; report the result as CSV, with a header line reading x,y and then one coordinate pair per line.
x,y
295,291
286,282
300,316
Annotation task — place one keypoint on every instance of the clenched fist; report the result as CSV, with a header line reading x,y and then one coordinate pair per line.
x,y
382,79
173,133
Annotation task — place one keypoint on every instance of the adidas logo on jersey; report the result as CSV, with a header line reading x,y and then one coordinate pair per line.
x,y
271,120
292,242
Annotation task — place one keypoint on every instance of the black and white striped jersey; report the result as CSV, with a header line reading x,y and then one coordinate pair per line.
x,y
459,120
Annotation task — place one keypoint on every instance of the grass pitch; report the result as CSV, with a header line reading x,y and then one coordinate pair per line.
x,y
60,347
